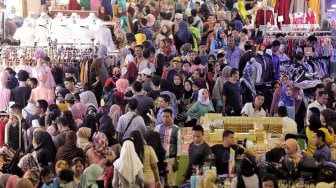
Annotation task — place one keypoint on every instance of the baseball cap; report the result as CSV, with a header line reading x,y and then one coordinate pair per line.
x,y
69,97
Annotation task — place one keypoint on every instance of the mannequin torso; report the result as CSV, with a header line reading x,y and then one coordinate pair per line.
x,y
4,92
42,92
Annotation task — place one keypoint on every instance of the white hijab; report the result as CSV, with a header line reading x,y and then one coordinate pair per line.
x,y
200,98
88,98
129,164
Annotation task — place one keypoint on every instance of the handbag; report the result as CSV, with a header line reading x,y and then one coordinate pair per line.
x,y
121,135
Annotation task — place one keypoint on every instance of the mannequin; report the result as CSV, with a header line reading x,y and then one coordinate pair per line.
x,y
26,33
59,30
31,18
264,14
310,17
23,65
93,21
42,92
103,36
297,6
11,26
281,8
4,55
42,30
40,67
83,34
315,6
4,92
73,21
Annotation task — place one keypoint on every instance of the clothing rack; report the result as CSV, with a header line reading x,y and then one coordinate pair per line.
x,y
7,137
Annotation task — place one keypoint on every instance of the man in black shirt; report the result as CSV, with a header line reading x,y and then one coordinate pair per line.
x,y
198,151
145,103
222,152
231,95
21,93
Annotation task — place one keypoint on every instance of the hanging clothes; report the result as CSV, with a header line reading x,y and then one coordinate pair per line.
x,y
85,4
298,6
315,6
282,9
264,16
73,5
95,5
311,17
108,7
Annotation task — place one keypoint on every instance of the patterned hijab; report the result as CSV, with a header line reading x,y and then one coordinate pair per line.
x,y
100,145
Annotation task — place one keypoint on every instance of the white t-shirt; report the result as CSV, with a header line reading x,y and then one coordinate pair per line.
x,y
250,111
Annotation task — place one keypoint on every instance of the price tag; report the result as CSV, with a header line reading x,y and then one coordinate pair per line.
x,y
280,18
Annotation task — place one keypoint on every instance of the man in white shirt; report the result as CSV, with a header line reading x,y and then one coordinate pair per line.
x,y
289,125
254,109
320,102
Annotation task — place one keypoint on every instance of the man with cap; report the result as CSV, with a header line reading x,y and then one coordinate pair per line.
x,y
146,75
21,93
71,72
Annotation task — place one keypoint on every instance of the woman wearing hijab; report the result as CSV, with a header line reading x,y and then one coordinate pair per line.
x,y
247,177
89,98
69,150
128,169
106,127
183,35
187,99
132,72
24,183
294,162
202,106
218,88
177,86
30,167
90,176
217,45
12,181
99,149
287,100
247,86
44,147
83,136
114,114
121,85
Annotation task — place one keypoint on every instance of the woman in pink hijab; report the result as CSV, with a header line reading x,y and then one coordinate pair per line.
x,y
12,181
122,84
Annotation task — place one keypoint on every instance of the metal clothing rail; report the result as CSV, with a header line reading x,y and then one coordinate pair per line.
x,y
303,32
8,125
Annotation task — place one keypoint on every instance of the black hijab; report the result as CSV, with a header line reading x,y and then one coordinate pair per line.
x,y
106,127
188,94
44,142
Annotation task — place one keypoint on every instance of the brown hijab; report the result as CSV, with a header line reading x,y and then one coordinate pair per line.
x,y
69,150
